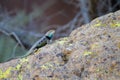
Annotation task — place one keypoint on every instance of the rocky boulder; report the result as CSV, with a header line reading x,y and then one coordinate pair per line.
x,y
91,52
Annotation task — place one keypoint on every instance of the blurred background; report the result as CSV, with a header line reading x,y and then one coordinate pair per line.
x,y
31,19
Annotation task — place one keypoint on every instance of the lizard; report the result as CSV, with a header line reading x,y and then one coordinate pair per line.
x,y
40,43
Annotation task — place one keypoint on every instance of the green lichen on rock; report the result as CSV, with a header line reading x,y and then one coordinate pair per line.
x,y
6,73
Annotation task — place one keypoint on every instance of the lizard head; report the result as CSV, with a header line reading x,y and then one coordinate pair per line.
x,y
50,34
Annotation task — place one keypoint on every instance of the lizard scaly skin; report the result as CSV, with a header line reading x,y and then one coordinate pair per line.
x,y
40,43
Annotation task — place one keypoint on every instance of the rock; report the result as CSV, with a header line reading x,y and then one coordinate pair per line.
x,y
91,52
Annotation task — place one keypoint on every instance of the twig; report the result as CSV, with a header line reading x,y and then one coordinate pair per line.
x,y
84,10
14,49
